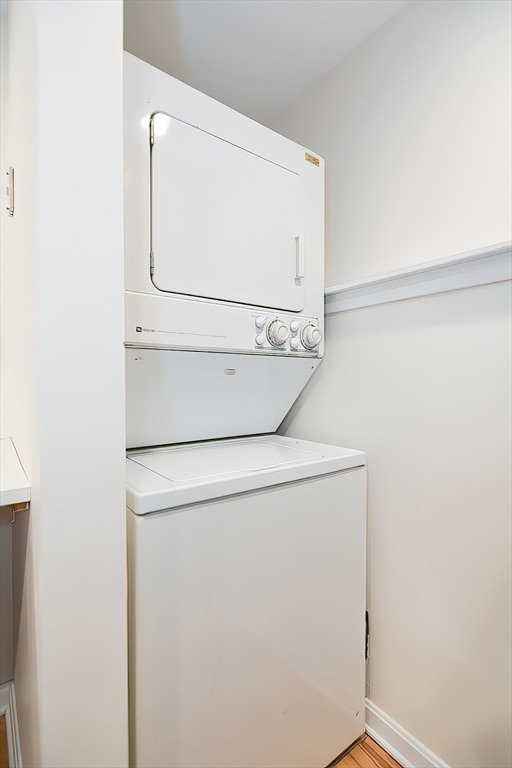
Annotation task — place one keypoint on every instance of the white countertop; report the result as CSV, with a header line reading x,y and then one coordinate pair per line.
x,y
14,484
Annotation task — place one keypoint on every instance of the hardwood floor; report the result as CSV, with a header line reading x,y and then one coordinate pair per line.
x,y
368,754
4,756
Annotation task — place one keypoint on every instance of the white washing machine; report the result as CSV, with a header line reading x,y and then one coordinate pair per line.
x,y
247,599
247,554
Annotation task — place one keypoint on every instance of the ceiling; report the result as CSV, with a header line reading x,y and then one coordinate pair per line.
x,y
257,56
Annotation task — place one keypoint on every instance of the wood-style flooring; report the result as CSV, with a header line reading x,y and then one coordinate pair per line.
x,y
368,754
4,755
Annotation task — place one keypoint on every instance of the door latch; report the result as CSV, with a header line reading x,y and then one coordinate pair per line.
x,y
9,190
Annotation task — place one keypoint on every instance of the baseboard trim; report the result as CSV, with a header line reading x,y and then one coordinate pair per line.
x,y
483,266
399,743
8,708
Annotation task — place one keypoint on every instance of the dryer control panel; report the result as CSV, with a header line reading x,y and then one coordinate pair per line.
x,y
297,334
174,323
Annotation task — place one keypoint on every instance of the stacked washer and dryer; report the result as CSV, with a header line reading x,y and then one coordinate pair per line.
x,y
246,548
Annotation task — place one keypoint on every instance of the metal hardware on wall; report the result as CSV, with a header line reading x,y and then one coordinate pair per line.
x,y
22,507
9,190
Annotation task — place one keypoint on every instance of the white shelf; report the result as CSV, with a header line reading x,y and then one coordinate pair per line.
x,y
14,485
484,266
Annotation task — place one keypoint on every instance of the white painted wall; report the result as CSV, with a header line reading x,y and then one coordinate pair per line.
x,y
414,126
62,373
415,129
424,387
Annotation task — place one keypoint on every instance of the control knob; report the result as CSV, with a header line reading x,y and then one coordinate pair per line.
x,y
277,333
311,336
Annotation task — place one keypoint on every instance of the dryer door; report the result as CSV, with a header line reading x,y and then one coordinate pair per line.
x,y
226,224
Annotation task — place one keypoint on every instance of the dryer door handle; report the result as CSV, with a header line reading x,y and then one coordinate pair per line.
x,y
300,258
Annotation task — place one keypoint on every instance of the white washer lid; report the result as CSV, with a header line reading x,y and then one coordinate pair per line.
x,y
164,478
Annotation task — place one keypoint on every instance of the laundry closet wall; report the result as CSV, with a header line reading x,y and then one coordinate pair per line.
x,y
62,372
415,129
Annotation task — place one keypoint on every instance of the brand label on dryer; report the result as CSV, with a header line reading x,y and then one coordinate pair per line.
x,y
312,159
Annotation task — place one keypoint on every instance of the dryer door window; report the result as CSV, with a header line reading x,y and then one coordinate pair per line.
x,y
226,224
